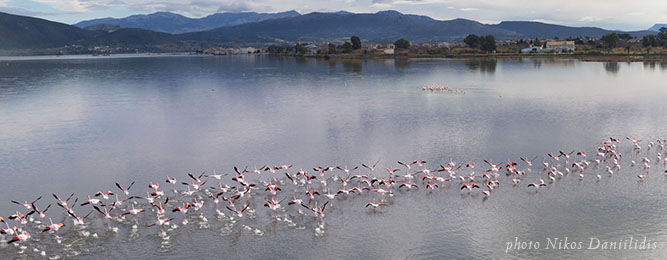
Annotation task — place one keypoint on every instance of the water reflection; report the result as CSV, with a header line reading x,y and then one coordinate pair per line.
x,y
352,66
482,65
611,67
552,61
652,65
402,64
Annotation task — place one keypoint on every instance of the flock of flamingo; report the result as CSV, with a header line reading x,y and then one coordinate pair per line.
x,y
168,203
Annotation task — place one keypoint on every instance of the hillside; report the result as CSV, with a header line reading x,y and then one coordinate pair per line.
x,y
131,37
22,32
544,30
389,25
103,27
33,35
324,26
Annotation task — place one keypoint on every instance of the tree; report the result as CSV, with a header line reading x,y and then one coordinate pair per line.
x,y
472,40
650,41
347,47
625,36
488,43
662,37
402,43
610,40
537,42
332,48
274,49
356,42
301,49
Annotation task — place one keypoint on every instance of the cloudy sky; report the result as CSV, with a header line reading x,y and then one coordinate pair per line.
x,y
608,14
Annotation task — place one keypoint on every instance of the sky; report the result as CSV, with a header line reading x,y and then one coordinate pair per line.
x,y
607,14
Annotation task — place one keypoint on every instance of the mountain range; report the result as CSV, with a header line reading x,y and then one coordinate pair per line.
x,y
175,23
21,32
389,25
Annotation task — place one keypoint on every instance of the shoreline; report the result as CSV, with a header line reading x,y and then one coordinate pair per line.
x,y
580,57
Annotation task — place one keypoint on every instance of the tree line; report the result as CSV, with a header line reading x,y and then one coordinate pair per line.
x,y
347,47
484,43
656,40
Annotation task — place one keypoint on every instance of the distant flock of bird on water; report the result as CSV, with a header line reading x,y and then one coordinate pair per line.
x,y
304,192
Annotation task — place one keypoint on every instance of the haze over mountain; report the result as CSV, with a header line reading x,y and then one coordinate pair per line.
x,y
176,23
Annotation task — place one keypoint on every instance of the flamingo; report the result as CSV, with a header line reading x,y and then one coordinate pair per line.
x,y
217,176
375,205
537,185
106,212
295,201
238,213
133,211
62,203
161,221
272,188
54,226
27,205
346,170
408,185
126,191
317,211
469,187
40,213
105,195
91,201
24,236
272,204
171,180
197,178
407,166
431,186
371,167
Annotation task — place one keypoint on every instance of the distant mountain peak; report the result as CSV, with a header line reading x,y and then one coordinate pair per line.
x,y
341,12
656,27
394,12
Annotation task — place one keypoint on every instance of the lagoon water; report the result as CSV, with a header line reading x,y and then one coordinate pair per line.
x,y
79,124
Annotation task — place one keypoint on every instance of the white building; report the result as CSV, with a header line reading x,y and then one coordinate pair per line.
x,y
531,49
560,46
312,48
246,50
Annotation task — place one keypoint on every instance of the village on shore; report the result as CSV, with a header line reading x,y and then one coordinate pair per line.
x,y
612,44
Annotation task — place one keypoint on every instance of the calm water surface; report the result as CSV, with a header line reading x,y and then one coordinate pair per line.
x,y
79,124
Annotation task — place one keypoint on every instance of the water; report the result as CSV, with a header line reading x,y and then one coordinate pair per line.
x,y
79,124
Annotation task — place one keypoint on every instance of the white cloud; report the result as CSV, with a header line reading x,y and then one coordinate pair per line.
x,y
65,5
590,19
468,9
420,2
545,21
